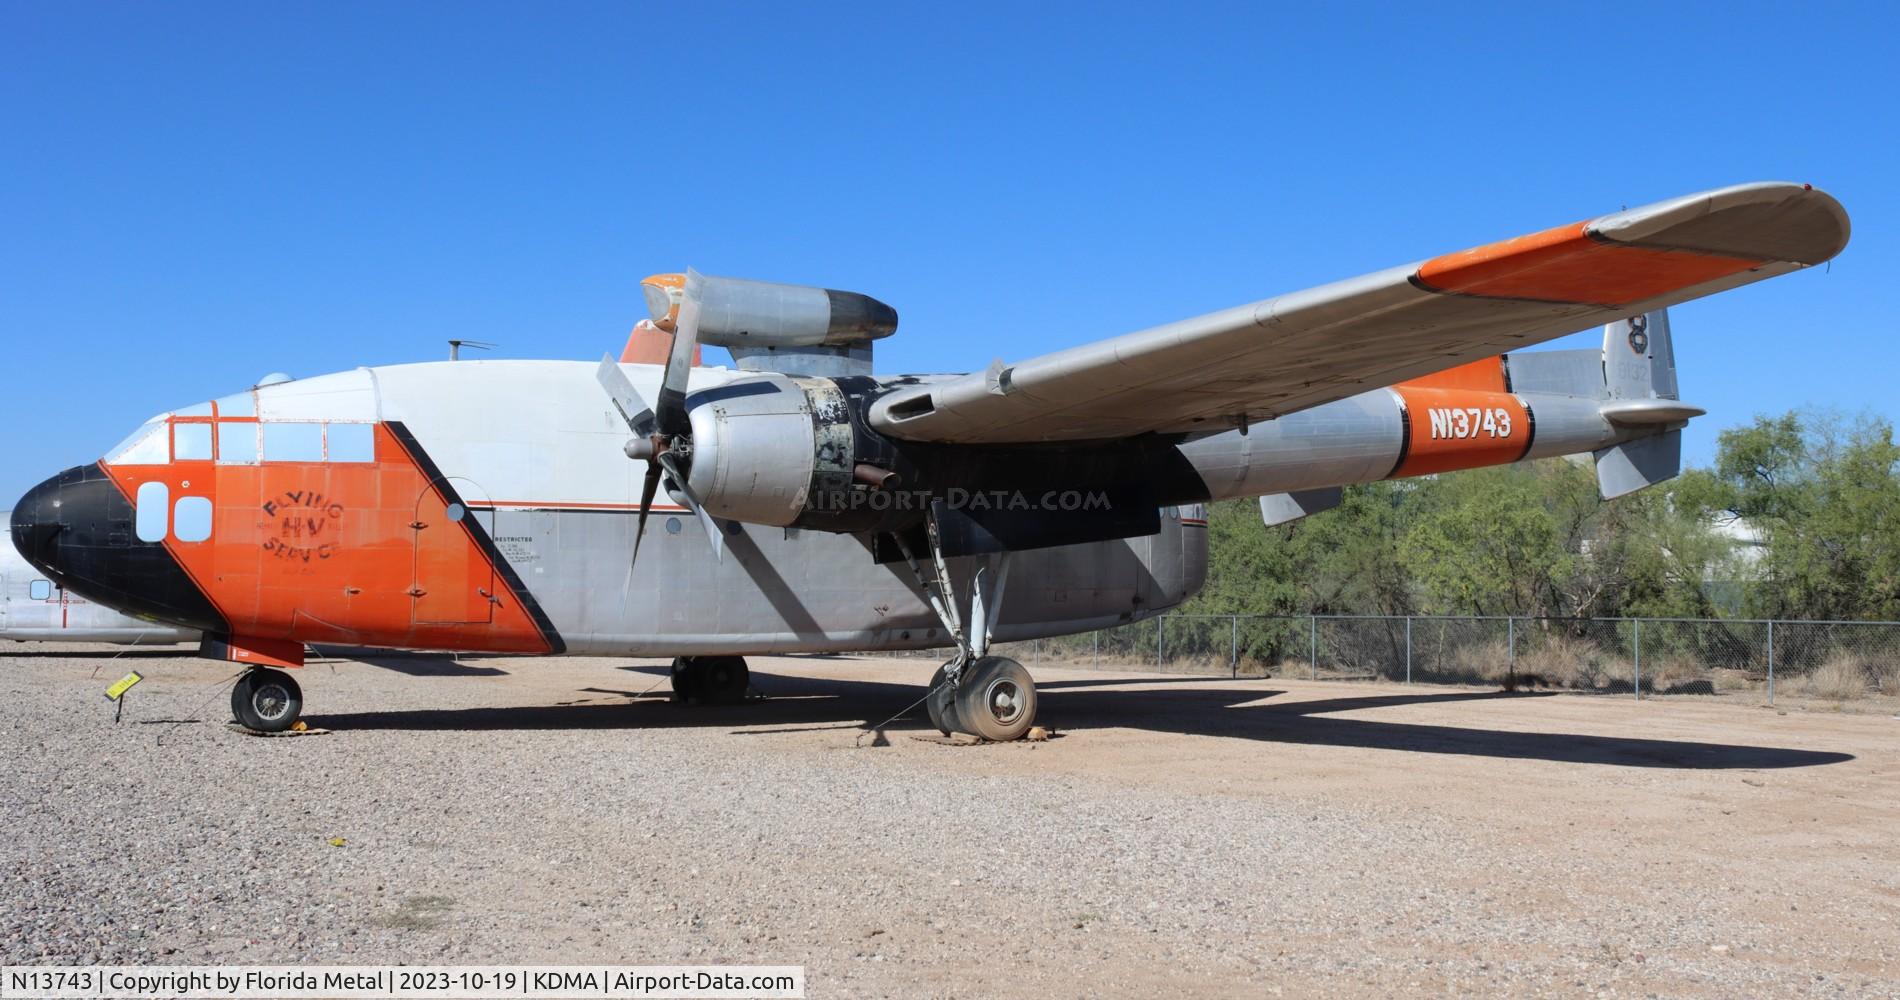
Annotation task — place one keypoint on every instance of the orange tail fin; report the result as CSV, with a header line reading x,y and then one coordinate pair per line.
x,y
649,345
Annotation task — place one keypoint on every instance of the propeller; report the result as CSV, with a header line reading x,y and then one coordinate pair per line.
x,y
663,433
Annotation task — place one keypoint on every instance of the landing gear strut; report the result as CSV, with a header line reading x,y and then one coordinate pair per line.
x,y
266,700
710,680
989,697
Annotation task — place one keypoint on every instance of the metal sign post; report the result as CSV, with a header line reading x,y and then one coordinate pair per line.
x,y
116,693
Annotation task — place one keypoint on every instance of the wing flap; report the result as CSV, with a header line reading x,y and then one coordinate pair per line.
x,y
1269,358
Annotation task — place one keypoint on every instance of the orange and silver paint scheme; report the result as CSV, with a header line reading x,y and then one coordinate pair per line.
x,y
491,505
494,513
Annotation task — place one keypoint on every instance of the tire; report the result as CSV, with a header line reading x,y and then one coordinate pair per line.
x,y
942,704
996,700
688,680
723,680
266,700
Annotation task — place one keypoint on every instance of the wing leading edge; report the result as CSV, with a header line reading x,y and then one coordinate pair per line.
x,y
1270,358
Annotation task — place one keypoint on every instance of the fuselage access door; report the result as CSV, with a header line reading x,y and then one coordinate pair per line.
x,y
454,573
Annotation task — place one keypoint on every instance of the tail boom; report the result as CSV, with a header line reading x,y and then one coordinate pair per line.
x,y
1618,405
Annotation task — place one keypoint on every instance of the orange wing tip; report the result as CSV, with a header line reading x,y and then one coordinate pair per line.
x,y
1651,251
1508,268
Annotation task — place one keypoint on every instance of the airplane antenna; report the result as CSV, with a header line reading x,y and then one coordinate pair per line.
x,y
455,347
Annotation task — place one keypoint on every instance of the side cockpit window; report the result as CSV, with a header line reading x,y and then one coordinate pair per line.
x,y
152,512
243,440
349,442
299,441
191,519
288,442
237,442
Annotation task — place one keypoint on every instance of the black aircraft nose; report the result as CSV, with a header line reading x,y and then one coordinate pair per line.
x,y
77,529
36,525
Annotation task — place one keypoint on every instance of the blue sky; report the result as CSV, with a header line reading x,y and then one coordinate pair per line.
x,y
194,195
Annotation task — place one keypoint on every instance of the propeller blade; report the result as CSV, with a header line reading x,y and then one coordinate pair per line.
x,y
647,489
626,398
713,533
670,414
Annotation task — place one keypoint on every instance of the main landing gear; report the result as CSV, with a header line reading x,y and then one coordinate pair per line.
x,y
989,697
266,700
993,699
710,680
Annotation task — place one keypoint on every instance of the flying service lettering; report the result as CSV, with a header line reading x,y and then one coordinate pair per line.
x,y
304,524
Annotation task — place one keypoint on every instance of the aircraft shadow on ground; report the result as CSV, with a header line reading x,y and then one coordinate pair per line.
x,y
97,654
1211,708
427,665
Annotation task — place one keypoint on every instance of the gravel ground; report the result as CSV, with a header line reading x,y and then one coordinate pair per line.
x,y
1202,837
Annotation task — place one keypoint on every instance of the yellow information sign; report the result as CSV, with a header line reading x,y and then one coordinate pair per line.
x,y
122,685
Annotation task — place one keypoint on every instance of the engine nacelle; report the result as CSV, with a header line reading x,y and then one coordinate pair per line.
x,y
766,450
796,452
746,314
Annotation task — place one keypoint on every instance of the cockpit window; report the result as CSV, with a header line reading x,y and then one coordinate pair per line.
x,y
191,442
237,443
350,443
293,442
151,444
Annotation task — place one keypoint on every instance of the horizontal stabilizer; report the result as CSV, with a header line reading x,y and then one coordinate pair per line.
x,y
1632,465
1637,412
1281,508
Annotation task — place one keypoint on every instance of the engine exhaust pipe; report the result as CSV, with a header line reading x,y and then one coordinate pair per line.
x,y
875,477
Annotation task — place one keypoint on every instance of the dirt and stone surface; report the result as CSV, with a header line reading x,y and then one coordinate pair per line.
x,y
1179,836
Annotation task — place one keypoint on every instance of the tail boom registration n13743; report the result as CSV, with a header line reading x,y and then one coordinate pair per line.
x,y
800,502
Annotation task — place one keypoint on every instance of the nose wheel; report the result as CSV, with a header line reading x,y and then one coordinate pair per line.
x,y
992,698
266,700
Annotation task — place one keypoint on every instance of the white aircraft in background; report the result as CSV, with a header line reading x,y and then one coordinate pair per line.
x,y
814,506
35,609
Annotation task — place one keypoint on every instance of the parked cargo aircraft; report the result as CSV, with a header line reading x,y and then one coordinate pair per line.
x,y
35,609
810,505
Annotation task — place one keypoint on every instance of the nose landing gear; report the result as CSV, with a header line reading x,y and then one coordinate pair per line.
x,y
266,700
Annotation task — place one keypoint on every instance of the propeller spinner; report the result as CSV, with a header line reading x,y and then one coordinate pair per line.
x,y
663,433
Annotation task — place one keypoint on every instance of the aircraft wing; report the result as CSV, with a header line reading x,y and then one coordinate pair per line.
x,y
1269,358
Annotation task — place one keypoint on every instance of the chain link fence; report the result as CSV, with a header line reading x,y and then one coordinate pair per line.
x,y
1817,660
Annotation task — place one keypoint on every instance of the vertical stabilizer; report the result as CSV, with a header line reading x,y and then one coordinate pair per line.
x,y
650,345
1639,384
1639,359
